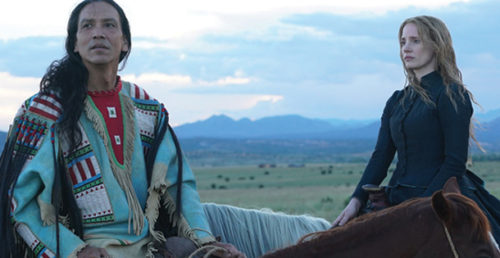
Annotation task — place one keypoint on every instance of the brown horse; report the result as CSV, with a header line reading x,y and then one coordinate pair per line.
x,y
447,224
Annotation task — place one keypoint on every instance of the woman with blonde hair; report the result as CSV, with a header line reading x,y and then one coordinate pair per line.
x,y
428,124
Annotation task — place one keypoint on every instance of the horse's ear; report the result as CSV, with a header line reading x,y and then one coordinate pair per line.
x,y
441,206
451,186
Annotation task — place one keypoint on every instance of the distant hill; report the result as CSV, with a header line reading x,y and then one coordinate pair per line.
x,y
222,126
276,127
298,127
369,131
258,141
487,116
350,123
488,134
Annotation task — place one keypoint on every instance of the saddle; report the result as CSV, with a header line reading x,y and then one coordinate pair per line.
x,y
377,198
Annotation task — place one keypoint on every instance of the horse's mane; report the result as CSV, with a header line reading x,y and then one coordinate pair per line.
x,y
363,220
465,209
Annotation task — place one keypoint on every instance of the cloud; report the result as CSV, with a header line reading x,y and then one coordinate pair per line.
x,y
228,80
255,59
190,105
192,18
159,79
361,97
488,59
481,75
14,91
176,81
280,31
185,108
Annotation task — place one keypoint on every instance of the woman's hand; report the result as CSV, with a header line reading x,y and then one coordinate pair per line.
x,y
93,252
349,212
229,252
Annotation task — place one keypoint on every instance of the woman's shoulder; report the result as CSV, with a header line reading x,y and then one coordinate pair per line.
x,y
397,93
453,92
454,99
395,97
438,87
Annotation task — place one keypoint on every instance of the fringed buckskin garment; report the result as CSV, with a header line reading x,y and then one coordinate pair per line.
x,y
119,205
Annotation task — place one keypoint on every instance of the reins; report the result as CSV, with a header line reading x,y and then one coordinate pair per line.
x,y
450,241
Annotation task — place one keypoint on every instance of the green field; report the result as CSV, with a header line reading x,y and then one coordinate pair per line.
x,y
317,189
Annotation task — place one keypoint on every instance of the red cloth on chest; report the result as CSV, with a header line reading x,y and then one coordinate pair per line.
x,y
108,103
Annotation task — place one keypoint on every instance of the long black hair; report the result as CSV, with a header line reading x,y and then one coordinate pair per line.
x,y
66,78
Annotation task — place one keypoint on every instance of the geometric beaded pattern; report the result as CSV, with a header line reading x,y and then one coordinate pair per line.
x,y
30,130
30,127
46,106
38,248
88,187
30,134
146,113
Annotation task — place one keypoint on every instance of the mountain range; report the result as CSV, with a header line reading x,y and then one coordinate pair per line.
x,y
298,127
220,140
278,127
485,117
291,138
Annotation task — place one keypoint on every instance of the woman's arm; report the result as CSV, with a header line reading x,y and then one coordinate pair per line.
x,y
381,158
376,170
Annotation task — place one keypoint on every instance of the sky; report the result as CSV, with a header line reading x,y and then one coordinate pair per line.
x,y
323,59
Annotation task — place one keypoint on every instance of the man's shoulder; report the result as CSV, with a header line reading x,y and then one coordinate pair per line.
x,y
45,105
137,93
143,102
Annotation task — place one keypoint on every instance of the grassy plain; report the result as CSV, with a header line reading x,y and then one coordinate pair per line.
x,y
320,190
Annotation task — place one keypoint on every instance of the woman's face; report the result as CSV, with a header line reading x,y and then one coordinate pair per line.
x,y
416,55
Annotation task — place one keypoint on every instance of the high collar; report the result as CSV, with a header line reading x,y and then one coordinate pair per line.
x,y
431,79
114,91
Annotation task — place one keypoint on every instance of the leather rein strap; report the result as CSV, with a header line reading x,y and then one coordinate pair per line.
x,y
448,236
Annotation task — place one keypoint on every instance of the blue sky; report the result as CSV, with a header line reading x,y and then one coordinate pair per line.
x,y
316,58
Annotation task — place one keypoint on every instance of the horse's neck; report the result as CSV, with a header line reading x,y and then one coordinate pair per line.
x,y
402,231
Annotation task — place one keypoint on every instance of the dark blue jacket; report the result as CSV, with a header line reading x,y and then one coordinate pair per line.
x,y
431,142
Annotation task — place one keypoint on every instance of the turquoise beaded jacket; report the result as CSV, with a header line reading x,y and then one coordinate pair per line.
x,y
119,207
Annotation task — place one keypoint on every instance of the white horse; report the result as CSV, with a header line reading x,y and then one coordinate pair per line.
x,y
256,232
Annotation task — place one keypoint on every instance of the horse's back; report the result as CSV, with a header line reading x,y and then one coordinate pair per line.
x,y
256,232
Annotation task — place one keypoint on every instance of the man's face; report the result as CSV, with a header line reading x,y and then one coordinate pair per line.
x,y
99,39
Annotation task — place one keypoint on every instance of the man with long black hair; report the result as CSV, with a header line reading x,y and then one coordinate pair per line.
x,y
91,167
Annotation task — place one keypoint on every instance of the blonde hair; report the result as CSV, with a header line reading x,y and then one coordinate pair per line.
x,y
434,33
